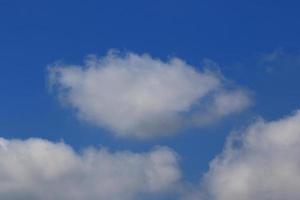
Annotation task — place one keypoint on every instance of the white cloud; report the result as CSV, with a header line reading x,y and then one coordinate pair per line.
x,y
139,96
263,163
39,169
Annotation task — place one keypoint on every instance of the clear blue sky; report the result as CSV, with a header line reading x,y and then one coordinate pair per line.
x,y
238,35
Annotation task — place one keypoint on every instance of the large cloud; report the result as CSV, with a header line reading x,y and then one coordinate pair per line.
x,y
39,169
139,96
263,163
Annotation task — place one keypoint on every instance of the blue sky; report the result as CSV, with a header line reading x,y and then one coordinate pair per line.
x,y
255,45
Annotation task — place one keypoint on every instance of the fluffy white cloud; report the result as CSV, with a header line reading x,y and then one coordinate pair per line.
x,y
139,96
39,169
263,163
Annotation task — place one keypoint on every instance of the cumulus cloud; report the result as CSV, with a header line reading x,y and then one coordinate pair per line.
x,y
140,96
39,169
263,163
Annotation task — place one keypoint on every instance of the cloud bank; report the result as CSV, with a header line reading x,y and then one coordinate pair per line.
x,y
140,96
38,169
263,163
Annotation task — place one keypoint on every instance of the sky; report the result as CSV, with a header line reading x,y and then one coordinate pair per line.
x,y
149,100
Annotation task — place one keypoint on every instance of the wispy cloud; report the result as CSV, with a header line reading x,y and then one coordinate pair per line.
x,y
279,61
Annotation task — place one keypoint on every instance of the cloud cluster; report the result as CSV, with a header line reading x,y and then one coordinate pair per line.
x,y
38,169
262,163
140,96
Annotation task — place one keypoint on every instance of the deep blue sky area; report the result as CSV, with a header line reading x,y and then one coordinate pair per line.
x,y
240,36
